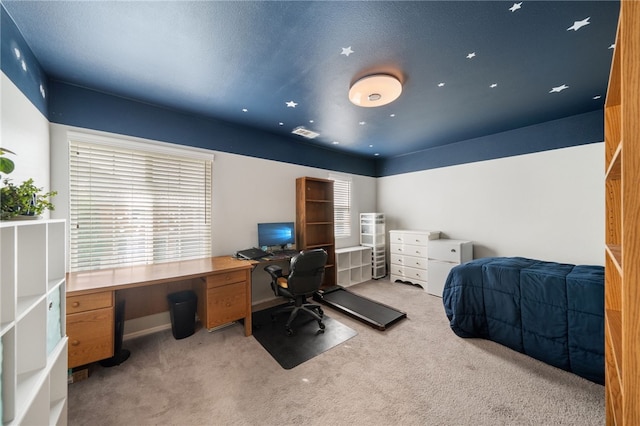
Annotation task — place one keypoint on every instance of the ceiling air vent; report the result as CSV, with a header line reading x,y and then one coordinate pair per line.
x,y
305,132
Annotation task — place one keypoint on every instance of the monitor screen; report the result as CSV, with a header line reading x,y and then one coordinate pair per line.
x,y
276,234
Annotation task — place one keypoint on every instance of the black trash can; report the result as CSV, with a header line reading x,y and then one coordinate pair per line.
x,y
182,308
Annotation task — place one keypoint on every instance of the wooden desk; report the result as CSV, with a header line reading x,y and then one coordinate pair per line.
x,y
222,284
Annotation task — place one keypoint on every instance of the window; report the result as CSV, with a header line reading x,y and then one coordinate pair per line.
x,y
341,205
135,203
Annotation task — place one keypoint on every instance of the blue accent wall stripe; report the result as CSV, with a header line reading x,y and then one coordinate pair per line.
x,y
19,64
571,131
76,106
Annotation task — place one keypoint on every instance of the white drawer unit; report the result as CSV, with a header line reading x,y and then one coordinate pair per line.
x,y
372,234
409,254
444,254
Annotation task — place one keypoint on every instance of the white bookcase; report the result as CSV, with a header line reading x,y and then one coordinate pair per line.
x,y
372,234
33,385
354,265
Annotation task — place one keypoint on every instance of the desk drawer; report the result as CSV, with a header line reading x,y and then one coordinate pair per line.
x,y
226,304
88,302
90,336
226,278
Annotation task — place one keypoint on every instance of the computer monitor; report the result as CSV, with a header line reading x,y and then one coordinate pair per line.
x,y
276,234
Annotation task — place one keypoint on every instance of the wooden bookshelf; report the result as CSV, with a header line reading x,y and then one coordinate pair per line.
x,y
314,220
622,206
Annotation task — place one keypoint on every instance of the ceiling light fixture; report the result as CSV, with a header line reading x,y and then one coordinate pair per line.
x,y
375,90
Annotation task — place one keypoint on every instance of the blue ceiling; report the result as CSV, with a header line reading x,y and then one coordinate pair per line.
x,y
469,68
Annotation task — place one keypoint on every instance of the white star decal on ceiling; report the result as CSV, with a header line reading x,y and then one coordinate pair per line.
x,y
471,55
346,51
362,123
579,24
440,84
515,7
291,104
613,46
558,89
596,97
494,85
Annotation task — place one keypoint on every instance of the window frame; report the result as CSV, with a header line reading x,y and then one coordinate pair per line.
x,y
342,212
152,154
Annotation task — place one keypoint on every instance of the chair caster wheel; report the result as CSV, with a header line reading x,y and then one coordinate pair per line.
x,y
321,325
320,312
289,332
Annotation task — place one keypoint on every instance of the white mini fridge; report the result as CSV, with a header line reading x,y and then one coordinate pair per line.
x,y
444,254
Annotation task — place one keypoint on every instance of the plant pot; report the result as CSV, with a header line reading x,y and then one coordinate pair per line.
x,y
24,217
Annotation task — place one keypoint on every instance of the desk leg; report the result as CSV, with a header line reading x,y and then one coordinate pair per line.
x,y
247,318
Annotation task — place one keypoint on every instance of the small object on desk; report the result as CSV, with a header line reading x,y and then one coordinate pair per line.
x,y
252,254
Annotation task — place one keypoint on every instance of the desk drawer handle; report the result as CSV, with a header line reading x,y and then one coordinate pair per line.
x,y
75,304
75,343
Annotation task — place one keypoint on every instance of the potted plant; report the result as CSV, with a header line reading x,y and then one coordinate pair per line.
x,y
23,201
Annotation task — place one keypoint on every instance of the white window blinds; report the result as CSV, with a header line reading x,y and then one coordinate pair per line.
x,y
130,205
341,205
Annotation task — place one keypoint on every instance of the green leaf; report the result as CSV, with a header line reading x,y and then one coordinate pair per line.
x,y
6,165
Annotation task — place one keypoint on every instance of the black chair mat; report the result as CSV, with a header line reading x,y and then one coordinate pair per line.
x,y
306,341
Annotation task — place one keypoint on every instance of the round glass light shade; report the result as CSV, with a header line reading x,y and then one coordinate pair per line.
x,y
375,90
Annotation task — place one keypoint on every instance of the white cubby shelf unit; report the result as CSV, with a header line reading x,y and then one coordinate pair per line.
x,y
33,385
354,265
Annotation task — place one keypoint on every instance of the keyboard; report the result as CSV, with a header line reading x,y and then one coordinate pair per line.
x,y
282,254
287,252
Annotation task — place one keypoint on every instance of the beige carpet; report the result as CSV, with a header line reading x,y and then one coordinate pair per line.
x,y
415,373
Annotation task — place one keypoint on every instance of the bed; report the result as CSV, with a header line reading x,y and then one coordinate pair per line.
x,y
550,311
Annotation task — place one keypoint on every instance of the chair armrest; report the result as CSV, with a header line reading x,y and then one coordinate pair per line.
x,y
274,270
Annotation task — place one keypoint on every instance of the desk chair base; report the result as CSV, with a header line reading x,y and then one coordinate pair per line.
x,y
310,308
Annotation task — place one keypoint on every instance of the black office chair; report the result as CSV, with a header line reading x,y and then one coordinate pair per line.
x,y
306,272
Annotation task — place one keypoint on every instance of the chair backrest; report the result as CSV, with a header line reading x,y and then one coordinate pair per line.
x,y
306,271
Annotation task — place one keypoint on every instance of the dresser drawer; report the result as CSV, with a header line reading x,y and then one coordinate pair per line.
x,y
409,250
91,336
226,303
226,278
414,238
403,273
88,302
410,261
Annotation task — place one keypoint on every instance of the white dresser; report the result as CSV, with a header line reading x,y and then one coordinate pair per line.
x,y
444,254
409,255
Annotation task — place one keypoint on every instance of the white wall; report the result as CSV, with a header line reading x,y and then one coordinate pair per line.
x,y
547,205
25,131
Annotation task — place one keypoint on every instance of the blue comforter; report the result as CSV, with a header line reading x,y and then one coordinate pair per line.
x,y
550,311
